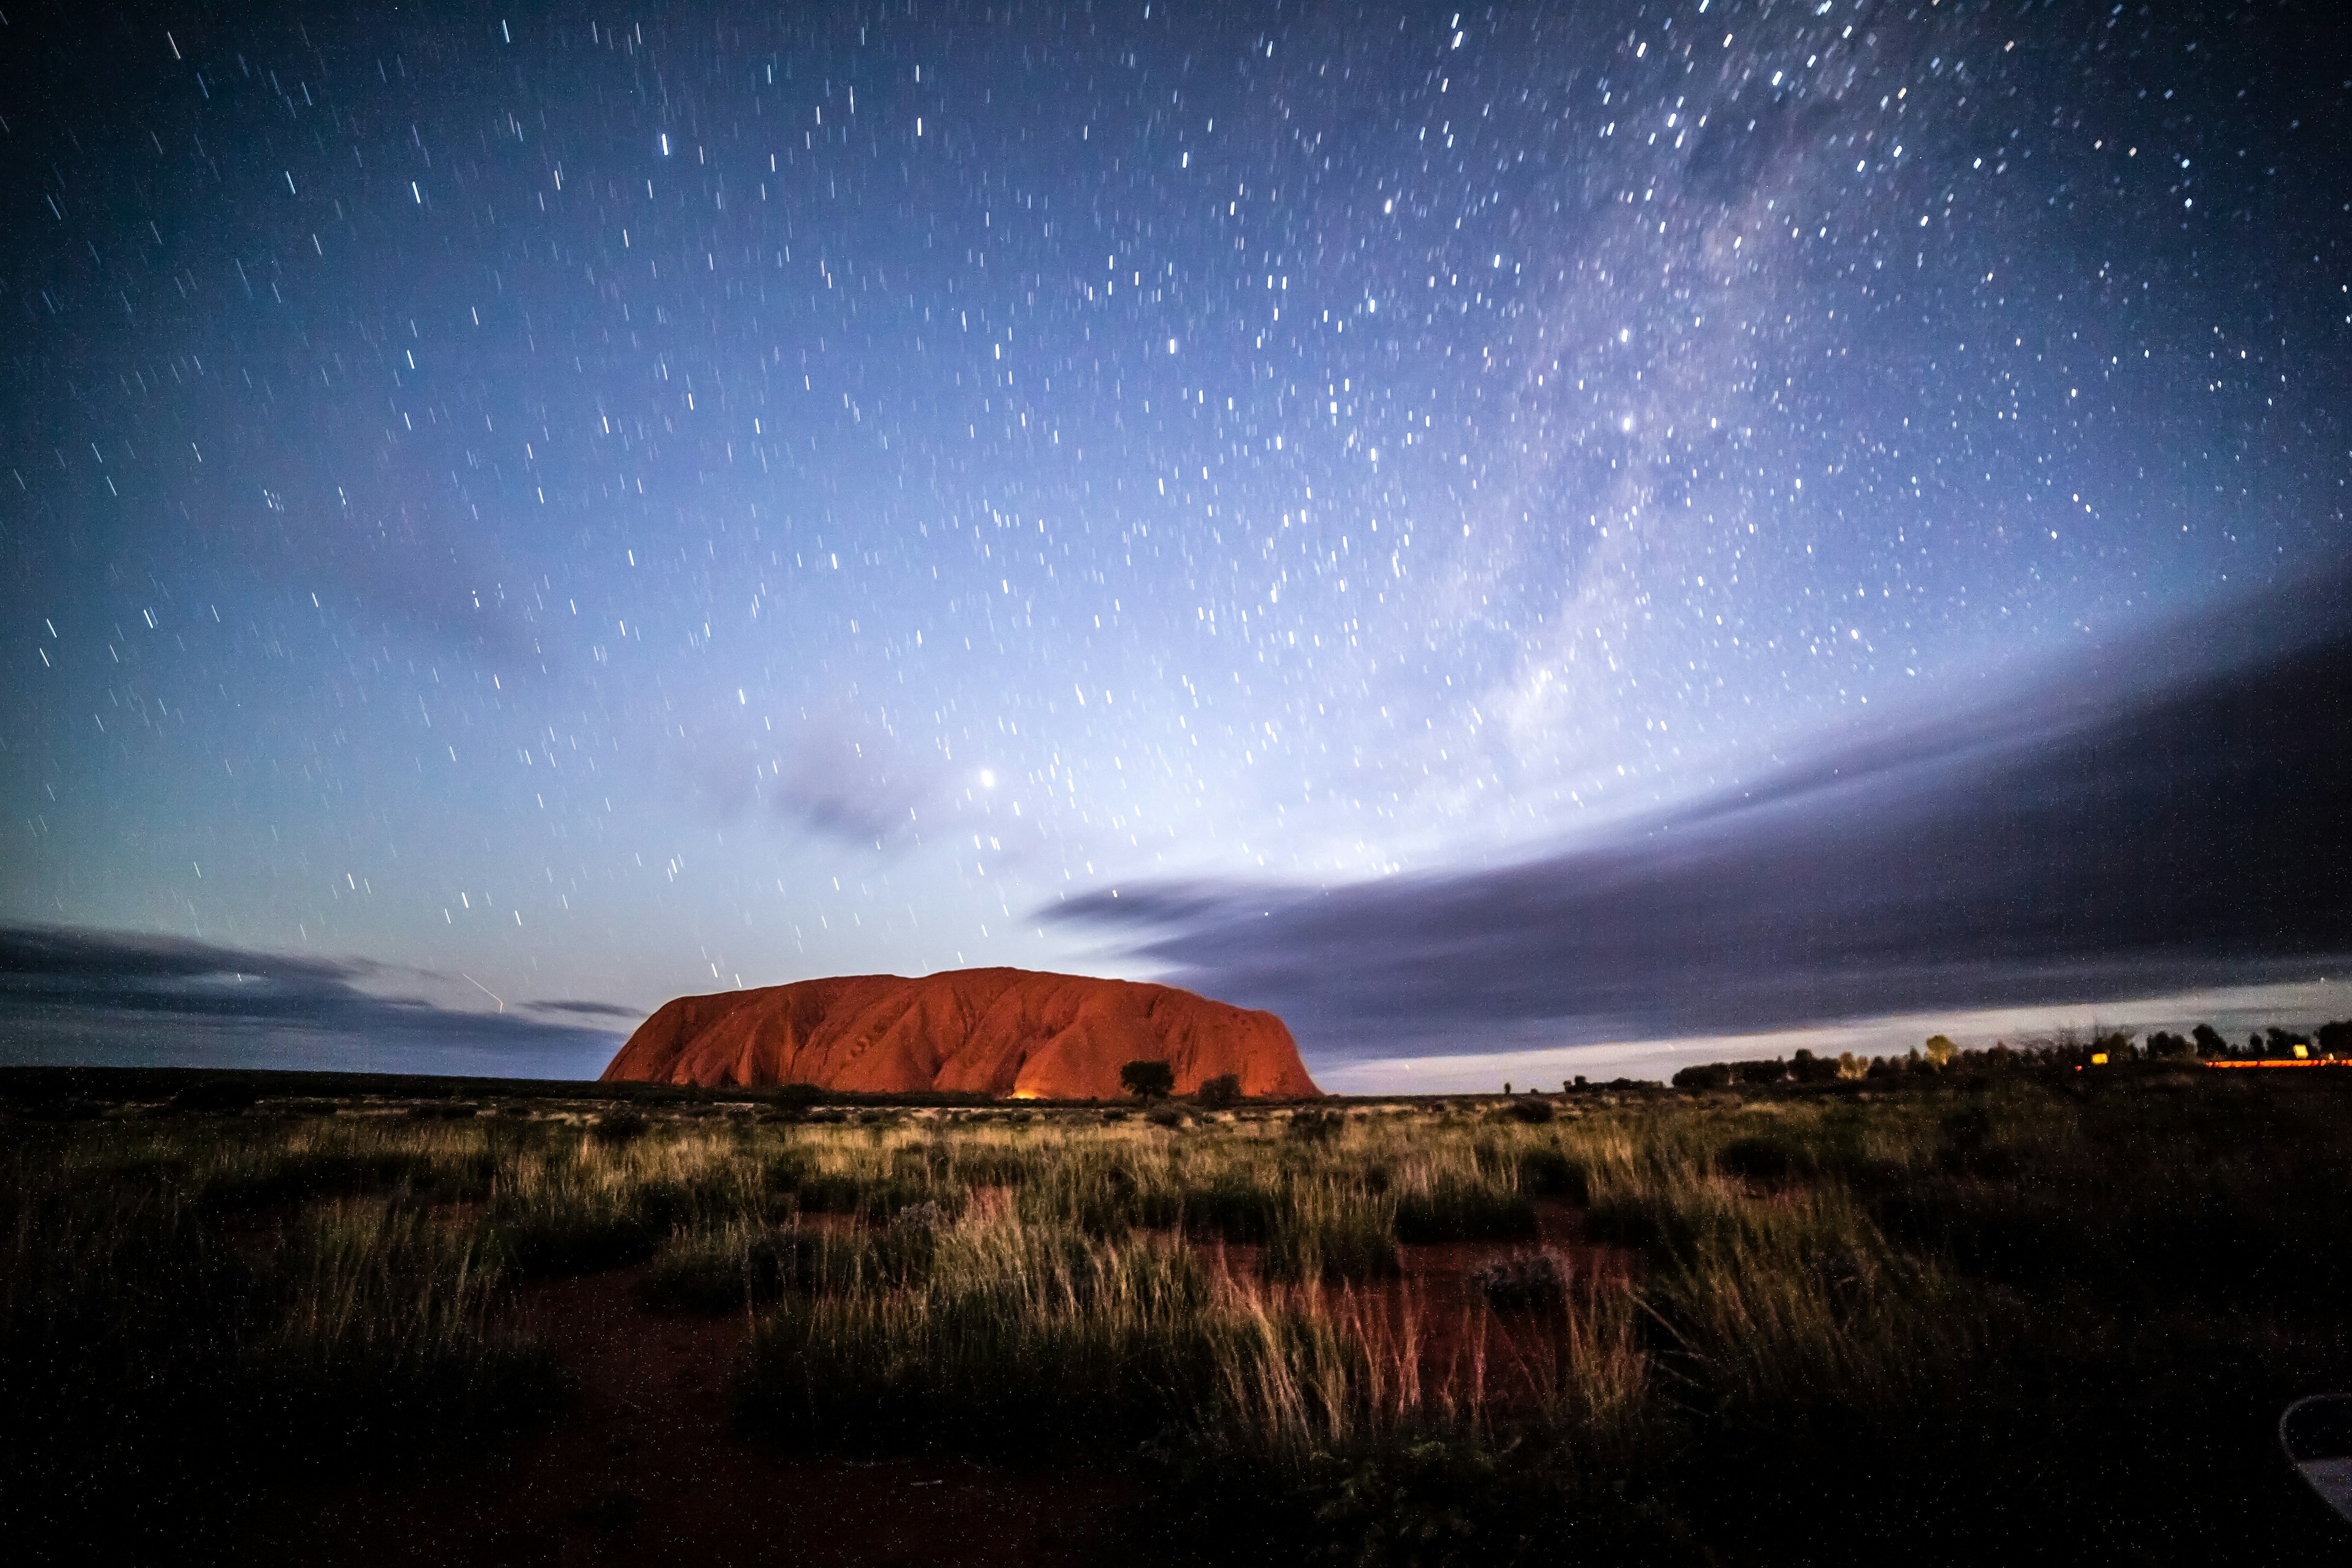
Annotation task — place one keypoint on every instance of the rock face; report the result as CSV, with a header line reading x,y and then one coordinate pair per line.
x,y
994,1031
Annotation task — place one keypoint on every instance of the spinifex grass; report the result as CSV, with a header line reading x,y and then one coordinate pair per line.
x,y
1975,1323
163,1346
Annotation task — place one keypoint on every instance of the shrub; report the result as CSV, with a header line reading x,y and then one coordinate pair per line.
x,y
1315,1126
1806,1068
1147,1079
1457,1210
1533,1109
1644,1221
1219,1092
828,1192
1549,1171
1523,1280
724,1270
1704,1075
574,1239
1764,1159
617,1127
1229,1206
1164,1116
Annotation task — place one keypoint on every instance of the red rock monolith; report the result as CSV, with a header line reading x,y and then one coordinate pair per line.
x,y
1003,1032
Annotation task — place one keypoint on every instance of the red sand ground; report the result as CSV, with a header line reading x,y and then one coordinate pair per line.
x,y
647,1467
1434,1290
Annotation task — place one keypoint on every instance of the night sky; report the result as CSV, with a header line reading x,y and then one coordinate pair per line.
x,y
1549,524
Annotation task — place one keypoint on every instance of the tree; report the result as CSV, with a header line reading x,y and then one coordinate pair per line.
x,y
1218,1093
1147,1081
1806,1068
2209,1041
2282,1043
2336,1039
1941,1051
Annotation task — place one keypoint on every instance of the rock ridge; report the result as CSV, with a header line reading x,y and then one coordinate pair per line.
x,y
1009,1033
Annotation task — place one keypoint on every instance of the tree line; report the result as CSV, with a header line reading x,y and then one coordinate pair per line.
x,y
2068,1049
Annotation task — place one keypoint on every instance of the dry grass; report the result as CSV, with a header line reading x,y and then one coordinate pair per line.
x,y
1829,1322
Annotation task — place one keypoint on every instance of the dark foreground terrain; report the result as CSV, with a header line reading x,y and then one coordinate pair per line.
x,y
2036,1315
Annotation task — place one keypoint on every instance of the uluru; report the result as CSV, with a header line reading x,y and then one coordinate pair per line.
x,y
1013,1032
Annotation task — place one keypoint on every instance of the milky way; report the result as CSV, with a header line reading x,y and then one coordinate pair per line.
x,y
589,505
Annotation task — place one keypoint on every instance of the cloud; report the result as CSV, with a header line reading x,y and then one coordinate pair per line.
x,y
835,774
71,994
2168,813
587,1009
848,783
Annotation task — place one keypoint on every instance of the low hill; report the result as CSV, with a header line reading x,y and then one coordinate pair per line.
x,y
1004,1032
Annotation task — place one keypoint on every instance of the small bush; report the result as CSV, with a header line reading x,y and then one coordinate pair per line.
x,y
1164,1116
618,1127
1230,1207
1765,1160
1533,1109
724,1270
1523,1280
1643,1222
1218,1093
1551,1172
1454,1210
1315,1126
827,1192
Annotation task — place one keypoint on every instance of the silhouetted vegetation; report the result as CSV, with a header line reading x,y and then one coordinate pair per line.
x,y
1147,1079
1219,1093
